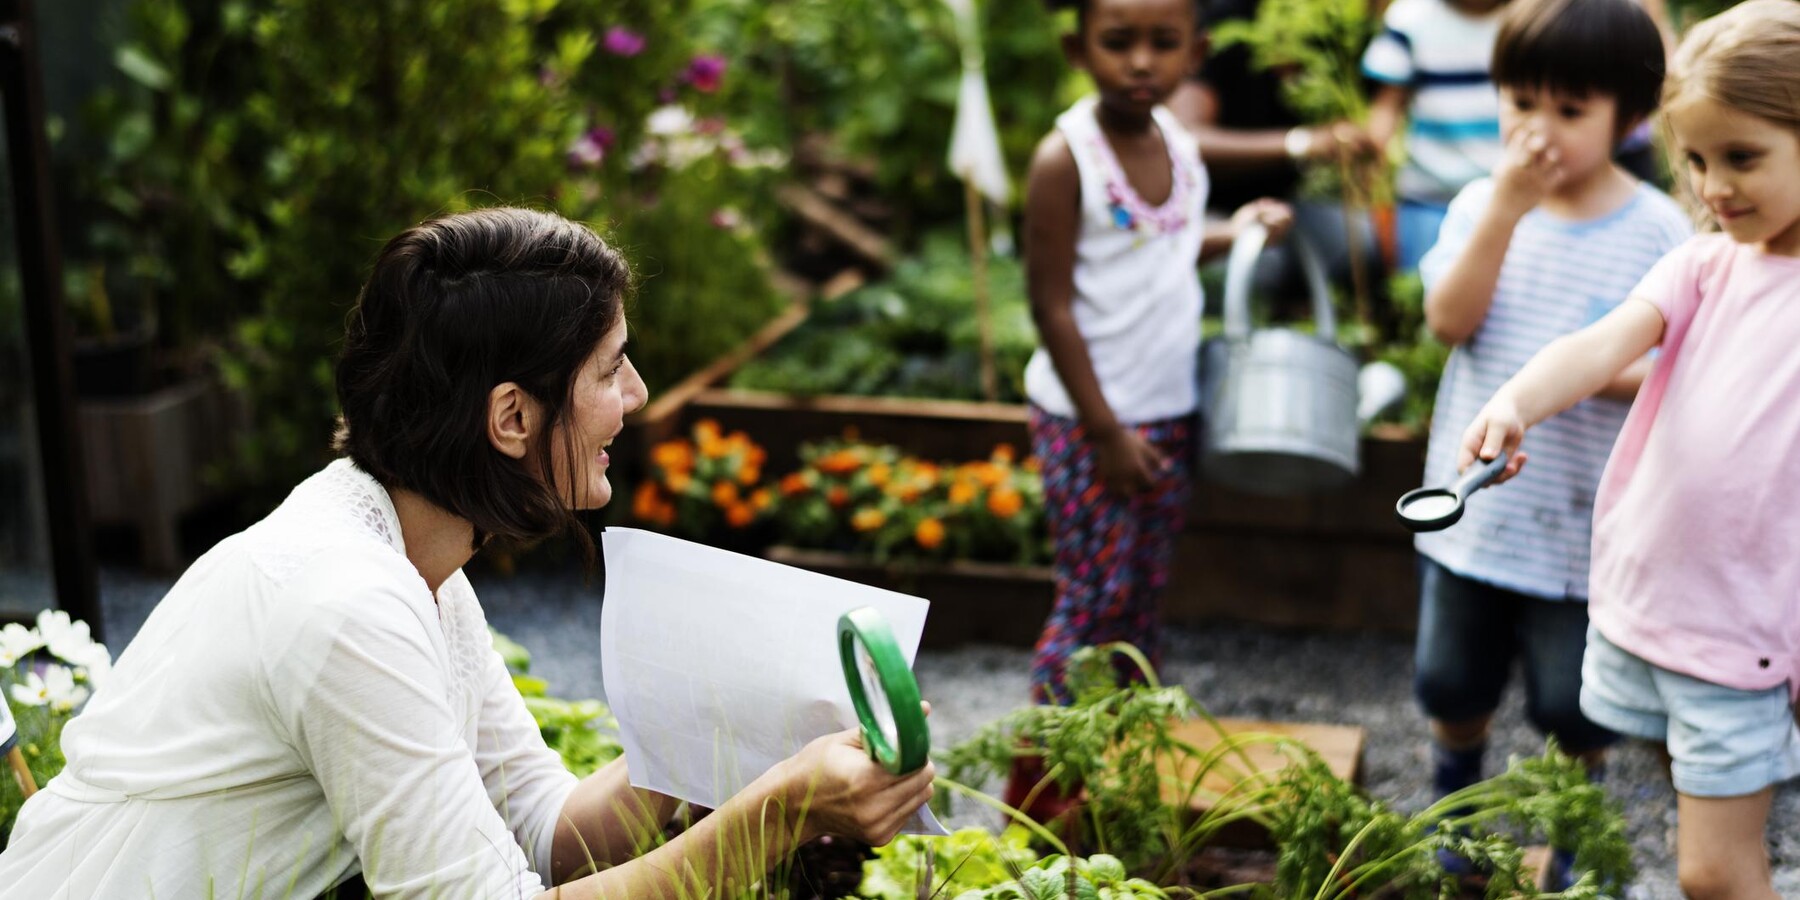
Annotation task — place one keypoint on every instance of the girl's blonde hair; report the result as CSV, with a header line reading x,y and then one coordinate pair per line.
x,y
1747,58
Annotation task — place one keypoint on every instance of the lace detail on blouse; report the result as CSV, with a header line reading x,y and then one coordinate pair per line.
x,y
343,503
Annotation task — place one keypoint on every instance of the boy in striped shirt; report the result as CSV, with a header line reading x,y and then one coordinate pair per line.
x,y
1556,237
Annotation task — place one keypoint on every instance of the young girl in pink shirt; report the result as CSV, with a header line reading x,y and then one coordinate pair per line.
x,y
1695,582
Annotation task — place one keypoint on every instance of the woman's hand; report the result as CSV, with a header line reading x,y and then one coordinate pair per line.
x,y
1498,427
1129,464
833,787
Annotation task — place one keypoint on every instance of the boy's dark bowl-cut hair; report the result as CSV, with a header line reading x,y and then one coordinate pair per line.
x,y
1081,8
454,307
1582,47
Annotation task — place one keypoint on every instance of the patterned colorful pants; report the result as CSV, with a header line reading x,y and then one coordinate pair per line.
x,y
1112,550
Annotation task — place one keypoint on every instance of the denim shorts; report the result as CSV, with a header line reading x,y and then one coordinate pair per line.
x,y
1725,742
1472,633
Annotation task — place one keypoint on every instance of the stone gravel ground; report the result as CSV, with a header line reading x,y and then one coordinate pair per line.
x,y
1233,670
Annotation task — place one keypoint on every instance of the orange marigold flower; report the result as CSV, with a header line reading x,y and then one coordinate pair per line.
x,y
867,519
714,447
665,514
962,492
724,493
929,533
879,474
794,483
739,515
839,462
643,503
679,482
1005,503
1033,465
707,429
905,493
761,499
748,474
673,456
1004,454
987,473
838,496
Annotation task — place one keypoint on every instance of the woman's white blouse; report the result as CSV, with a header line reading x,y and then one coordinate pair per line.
x,y
298,708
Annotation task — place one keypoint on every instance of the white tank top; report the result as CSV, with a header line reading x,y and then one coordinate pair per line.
x,y
1137,290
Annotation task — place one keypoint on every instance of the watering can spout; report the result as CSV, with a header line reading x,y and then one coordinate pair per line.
x,y
1380,388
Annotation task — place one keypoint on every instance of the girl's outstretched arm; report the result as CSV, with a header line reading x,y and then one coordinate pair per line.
x,y
1568,370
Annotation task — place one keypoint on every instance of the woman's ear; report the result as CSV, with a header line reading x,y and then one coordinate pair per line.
x,y
512,416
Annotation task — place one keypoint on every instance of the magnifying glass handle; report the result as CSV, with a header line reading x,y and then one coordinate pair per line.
x,y
1479,475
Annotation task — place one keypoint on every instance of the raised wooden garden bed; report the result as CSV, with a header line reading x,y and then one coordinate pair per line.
x,y
1334,561
1340,746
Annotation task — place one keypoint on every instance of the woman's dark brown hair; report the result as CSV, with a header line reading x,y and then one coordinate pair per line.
x,y
454,307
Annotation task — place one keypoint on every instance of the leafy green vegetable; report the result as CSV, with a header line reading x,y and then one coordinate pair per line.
x,y
971,859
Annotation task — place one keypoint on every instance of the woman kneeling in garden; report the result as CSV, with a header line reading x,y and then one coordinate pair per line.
x,y
318,696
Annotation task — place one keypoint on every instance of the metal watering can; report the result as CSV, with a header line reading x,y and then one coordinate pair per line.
x,y
1284,409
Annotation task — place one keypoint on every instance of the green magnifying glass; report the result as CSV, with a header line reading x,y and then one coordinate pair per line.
x,y
884,692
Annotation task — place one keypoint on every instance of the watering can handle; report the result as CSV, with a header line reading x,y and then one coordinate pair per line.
x,y
1240,270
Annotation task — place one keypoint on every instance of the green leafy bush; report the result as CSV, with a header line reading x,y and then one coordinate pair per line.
x,y
914,335
266,148
881,76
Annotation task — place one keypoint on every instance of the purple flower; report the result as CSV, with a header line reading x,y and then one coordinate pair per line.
x,y
589,150
622,41
705,72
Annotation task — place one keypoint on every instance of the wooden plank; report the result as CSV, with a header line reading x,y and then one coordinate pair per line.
x,y
842,283
672,400
847,229
1341,747
842,404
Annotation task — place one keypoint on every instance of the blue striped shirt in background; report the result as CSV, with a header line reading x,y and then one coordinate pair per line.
x,y
1453,135
1532,535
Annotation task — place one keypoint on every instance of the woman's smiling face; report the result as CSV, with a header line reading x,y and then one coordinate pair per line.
x,y
606,389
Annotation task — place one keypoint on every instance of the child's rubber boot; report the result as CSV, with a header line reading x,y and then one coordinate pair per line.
x,y
1451,771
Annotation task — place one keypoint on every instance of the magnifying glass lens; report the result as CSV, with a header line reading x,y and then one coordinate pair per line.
x,y
878,699
1430,507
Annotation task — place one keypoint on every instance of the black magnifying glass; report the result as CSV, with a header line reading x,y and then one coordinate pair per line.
x,y
1438,508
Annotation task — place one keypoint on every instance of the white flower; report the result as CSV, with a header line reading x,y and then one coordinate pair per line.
x,y
61,690
70,641
94,665
16,643
669,121
33,692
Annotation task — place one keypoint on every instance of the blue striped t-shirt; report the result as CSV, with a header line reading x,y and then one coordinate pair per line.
x,y
1532,535
1443,55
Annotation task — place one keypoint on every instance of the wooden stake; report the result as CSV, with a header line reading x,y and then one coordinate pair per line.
x,y
978,241
17,758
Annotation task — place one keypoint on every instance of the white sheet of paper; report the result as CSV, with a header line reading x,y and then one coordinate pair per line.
x,y
719,665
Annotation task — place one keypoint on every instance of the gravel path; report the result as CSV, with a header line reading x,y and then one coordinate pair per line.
x,y
1236,671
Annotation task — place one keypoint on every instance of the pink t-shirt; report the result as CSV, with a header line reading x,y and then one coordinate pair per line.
x,y
1696,563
